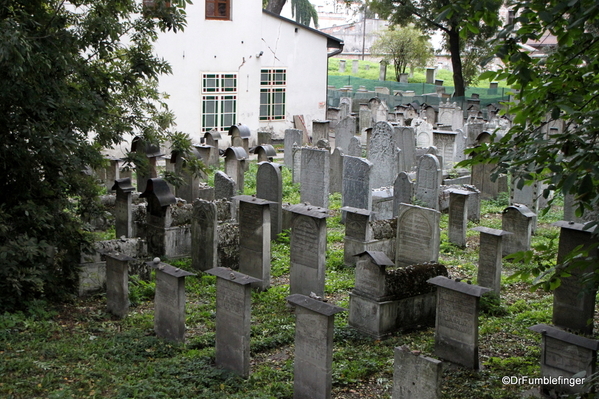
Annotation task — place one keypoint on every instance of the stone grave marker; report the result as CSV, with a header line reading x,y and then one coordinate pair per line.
x,y
269,186
312,367
211,139
418,235
224,186
233,311
383,154
235,165
446,144
355,147
564,356
427,181
158,216
169,301
356,188
358,233
406,142
308,243
402,191
573,303
416,376
458,217
490,257
117,284
456,325
147,171
336,171
254,239
240,137
382,203
320,130
314,181
204,235
265,153
518,220
365,117
346,129
292,137
122,211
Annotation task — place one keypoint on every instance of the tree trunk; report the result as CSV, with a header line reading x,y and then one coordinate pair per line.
x,y
456,63
275,6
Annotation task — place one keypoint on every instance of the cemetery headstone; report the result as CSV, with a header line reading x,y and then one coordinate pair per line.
x,y
346,129
320,130
158,217
204,235
418,235
211,139
402,191
456,326
269,186
518,220
336,171
292,137
314,182
312,369
427,181
356,187
458,217
235,161
169,301
233,311
490,257
308,242
240,137
117,284
355,147
383,154
416,376
123,211
406,142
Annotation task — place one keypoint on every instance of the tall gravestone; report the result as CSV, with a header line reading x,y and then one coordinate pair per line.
x,y
458,217
211,139
204,235
456,326
320,130
490,257
169,301
296,171
365,118
403,191
123,211
233,311
314,182
573,302
117,284
406,142
427,181
240,136
144,170
355,147
418,235
346,129
265,153
269,186
336,171
254,239
383,154
158,216
416,376
446,144
358,233
518,220
565,358
292,137
224,186
312,367
235,161
356,188
308,243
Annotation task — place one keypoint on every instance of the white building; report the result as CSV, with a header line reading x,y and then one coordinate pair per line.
x,y
236,63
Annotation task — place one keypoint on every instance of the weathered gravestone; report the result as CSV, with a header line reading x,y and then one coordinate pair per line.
x,y
427,181
567,361
386,299
240,136
314,181
336,171
355,147
403,191
312,367
320,130
235,164
224,186
123,211
456,325
254,239
169,301
204,235
406,142
518,220
458,217
269,186
365,117
296,171
416,376
574,301
383,154
117,284
356,189
145,171
158,217
446,144
233,311
358,233
346,129
265,153
382,203
308,244
292,137
490,257
189,189
418,235
211,139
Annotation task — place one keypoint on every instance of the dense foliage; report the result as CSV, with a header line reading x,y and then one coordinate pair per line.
x,y
76,77
560,88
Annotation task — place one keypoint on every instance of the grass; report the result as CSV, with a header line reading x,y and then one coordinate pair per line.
x,y
77,350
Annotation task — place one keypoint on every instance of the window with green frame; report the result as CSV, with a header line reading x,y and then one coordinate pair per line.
x,y
219,101
272,94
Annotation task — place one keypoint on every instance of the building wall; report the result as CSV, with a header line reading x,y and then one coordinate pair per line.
x,y
233,47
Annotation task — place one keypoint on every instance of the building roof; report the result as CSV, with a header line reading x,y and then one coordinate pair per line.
x,y
332,42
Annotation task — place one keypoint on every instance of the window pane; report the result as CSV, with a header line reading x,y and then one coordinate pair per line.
x,y
279,77
264,77
229,83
